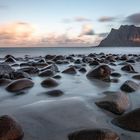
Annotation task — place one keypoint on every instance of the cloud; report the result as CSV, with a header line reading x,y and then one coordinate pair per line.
x,y
19,34
16,33
133,19
106,19
76,19
87,30
82,19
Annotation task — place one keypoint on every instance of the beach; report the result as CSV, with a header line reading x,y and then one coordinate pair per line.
x,y
80,79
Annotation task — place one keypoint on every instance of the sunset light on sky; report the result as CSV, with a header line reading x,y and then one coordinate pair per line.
x,y
63,22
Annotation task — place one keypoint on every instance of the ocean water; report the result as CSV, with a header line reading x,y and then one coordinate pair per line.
x,y
68,50
42,116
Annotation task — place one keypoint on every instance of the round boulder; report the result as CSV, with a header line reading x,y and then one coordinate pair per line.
x,y
10,129
115,102
129,86
49,83
55,93
46,73
95,134
70,70
101,72
19,85
128,68
129,121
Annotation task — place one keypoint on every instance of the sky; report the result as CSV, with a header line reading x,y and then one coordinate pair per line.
x,y
46,23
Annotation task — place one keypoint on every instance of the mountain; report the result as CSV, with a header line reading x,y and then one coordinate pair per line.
x,y
126,35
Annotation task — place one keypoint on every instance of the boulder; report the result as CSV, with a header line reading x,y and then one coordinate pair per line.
x,y
54,93
29,70
115,74
4,81
83,70
19,75
115,102
128,68
137,77
70,70
10,129
101,72
129,121
94,134
5,69
49,83
19,85
46,73
129,86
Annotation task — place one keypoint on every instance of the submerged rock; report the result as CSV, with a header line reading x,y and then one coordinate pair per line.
x,y
115,74
19,85
101,72
129,86
19,75
137,77
4,81
49,82
55,93
5,69
70,70
83,70
116,102
95,134
46,73
129,121
128,68
10,129
10,60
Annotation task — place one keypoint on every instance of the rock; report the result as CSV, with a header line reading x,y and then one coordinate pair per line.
x,y
55,93
49,83
10,60
78,61
4,81
129,121
115,74
10,129
131,61
128,68
137,77
101,72
94,134
19,75
94,63
47,73
115,102
70,70
49,57
5,69
52,67
19,85
29,70
83,70
129,86
57,77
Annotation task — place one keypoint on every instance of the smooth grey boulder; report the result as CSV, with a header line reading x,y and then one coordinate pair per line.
x,y
95,134
101,72
115,102
10,129
49,83
19,85
129,86
129,121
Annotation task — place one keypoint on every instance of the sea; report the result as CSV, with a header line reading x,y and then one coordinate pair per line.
x,y
42,51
